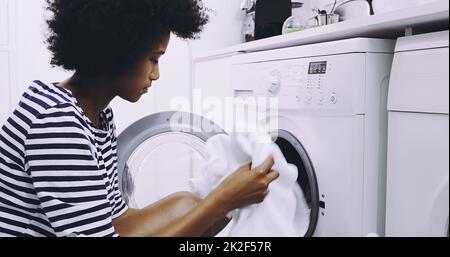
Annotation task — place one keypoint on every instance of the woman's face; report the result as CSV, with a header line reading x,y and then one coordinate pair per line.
x,y
137,82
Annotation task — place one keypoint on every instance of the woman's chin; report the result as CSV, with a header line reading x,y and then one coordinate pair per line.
x,y
132,99
135,97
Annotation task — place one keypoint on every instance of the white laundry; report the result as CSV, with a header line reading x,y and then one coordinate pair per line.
x,y
283,213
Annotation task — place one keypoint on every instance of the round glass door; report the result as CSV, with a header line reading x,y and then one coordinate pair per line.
x,y
158,156
155,161
160,166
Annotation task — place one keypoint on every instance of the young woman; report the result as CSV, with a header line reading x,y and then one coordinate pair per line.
x,y
58,150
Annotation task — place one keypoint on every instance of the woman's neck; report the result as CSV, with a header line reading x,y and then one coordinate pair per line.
x,y
93,95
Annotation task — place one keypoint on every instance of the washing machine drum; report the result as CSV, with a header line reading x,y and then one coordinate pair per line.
x,y
157,158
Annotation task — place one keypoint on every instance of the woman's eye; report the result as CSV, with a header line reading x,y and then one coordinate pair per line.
x,y
155,61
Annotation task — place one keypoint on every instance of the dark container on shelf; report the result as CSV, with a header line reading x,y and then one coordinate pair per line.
x,y
270,16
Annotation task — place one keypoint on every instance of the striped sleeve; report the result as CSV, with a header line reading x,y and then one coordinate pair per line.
x,y
68,182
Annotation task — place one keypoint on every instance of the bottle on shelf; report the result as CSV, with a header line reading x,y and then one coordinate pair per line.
x,y
300,19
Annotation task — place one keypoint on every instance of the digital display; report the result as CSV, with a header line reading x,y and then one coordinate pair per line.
x,y
317,68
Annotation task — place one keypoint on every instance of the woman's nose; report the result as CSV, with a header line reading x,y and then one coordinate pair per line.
x,y
155,73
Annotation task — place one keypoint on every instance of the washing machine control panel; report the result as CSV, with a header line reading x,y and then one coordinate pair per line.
x,y
319,83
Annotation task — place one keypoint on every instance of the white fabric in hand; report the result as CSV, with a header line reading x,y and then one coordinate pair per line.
x,y
283,213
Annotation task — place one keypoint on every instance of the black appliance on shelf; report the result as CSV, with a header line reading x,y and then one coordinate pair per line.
x,y
270,16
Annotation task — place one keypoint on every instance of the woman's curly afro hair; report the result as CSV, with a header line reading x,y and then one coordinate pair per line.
x,y
108,36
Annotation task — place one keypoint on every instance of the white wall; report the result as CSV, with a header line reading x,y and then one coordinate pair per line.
x,y
3,22
322,4
225,26
30,57
4,61
4,86
23,54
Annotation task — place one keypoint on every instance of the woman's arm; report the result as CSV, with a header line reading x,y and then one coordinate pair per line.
x,y
242,188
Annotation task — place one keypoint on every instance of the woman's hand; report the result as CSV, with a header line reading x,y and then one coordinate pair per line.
x,y
163,219
246,186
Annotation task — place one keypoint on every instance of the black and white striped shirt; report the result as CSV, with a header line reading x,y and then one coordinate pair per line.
x,y
58,172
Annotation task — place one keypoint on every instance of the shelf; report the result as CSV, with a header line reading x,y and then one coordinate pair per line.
x,y
424,18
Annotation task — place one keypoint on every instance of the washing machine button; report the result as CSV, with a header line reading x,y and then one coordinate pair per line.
x,y
321,98
333,98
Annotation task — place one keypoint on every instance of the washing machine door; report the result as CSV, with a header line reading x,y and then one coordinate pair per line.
x,y
296,154
157,156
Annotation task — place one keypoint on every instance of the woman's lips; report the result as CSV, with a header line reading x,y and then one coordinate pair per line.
x,y
146,89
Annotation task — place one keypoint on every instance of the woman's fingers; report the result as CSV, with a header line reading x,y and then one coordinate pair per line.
x,y
247,166
273,175
266,166
268,179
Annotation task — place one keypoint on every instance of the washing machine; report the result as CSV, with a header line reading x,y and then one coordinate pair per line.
x,y
418,163
331,125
